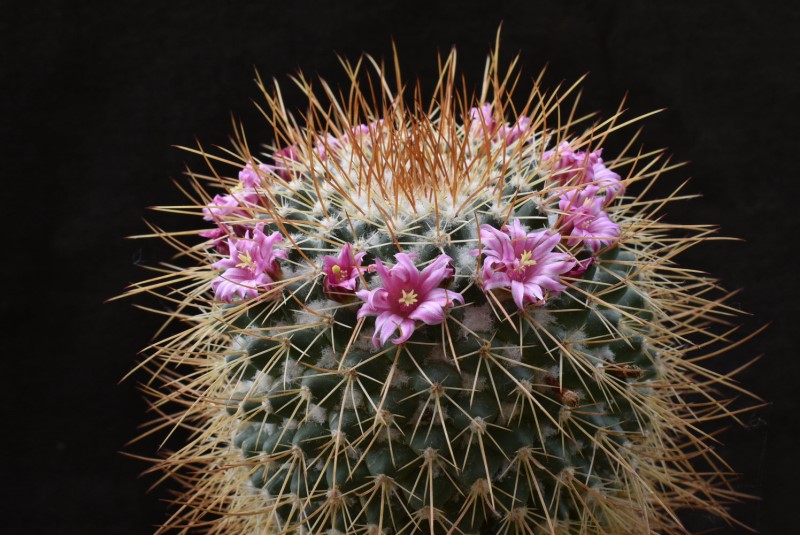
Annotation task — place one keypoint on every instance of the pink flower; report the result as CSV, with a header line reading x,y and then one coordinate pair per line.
x,y
330,143
333,143
584,219
341,273
509,134
221,206
253,265
283,161
231,204
607,179
235,203
407,296
522,262
217,237
580,268
572,167
576,168
482,122
367,130
249,177
364,135
362,130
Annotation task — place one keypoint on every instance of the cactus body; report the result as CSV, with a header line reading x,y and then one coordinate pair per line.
x,y
439,322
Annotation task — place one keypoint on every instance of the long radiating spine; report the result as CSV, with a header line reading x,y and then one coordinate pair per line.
x,y
431,319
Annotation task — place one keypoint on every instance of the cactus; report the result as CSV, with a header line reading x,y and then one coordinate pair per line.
x,y
449,318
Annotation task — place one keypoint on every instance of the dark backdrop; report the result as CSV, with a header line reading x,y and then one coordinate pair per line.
x,y
95,93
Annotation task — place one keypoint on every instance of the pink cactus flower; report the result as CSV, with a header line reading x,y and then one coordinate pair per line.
x,y
584,220
235,203
231,204
572,167
283,161
249,177
331,143
361,130
341,273
523,262
407,296
580,268
217,238
253,265
608,180
215,233
576,168
482,121
509,134
367,129
221,206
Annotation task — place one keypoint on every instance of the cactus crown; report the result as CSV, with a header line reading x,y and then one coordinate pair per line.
x,y
452,318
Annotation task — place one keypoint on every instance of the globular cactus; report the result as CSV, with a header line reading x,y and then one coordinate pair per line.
x,y
451,318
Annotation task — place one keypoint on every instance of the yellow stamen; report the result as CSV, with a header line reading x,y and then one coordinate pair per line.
x,y
246,261
409,298
525,260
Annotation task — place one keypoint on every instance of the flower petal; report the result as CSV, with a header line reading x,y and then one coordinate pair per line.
x,y
518,292
428,312
407,328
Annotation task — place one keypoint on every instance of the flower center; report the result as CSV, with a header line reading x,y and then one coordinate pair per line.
x,y
408,299
246,261
525,260
338,274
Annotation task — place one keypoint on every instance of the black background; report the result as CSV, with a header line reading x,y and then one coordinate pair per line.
x,y
95,93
